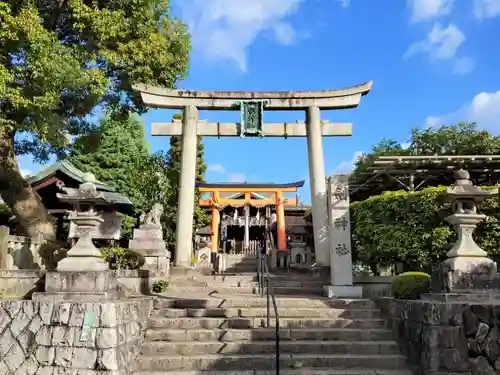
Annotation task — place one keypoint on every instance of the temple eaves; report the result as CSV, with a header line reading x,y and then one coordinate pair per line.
x,y
158,97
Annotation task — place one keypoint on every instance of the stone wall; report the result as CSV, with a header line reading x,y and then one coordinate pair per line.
x,y
446,338
49,338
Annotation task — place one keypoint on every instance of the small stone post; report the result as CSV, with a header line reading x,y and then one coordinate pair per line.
x,y
4,247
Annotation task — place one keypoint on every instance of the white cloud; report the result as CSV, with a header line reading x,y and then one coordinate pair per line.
x,y
346,166
236,177
216,168
486,8
463,65
405,145
345,3
25,172
285,33
484,109
224,29
226,175
425,10
442,44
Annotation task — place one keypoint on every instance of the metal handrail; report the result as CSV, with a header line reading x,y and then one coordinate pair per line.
x,y
265,281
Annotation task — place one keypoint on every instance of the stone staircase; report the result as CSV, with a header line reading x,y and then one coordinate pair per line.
x,y
240,264
219,327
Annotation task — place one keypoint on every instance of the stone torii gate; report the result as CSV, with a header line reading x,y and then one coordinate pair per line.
x,y
252,105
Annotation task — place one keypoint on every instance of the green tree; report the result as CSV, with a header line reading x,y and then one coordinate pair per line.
x,y
117,154
174,167
409,228
58,60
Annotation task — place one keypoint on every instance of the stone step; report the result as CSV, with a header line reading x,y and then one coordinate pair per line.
x,y
250,281
266,361
263,334
300,371
249,290
316,290
240,268
159,348
243,263
245,323
227,301
251,312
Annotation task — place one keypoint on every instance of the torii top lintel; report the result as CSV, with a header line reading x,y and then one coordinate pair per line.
x,y
157,97
249,187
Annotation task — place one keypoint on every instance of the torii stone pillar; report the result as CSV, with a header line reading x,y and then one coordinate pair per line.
x,y
317,186
313,128
187,184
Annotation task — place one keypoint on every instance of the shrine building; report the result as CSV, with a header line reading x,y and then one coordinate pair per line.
x,y
243,207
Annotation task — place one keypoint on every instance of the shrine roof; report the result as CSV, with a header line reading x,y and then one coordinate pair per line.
x,y
242,195
249,185
71,195
116,198
298,207
69,170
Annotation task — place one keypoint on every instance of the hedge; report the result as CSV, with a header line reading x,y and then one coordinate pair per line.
x,y
409,228
411,285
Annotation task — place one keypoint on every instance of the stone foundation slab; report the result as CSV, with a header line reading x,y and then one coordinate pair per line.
x,y
343,291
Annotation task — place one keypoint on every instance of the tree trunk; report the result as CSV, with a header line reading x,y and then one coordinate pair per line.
x,y
18,195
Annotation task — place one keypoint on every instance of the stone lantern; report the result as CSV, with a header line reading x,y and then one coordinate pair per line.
x,y
83,274
468,266
83,256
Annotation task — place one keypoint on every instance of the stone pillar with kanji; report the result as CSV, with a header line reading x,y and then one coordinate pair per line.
x,y
339,228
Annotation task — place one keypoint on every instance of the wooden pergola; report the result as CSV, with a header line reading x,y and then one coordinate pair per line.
x,y
388,173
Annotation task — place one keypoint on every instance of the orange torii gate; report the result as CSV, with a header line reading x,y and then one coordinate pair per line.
x,y
277,199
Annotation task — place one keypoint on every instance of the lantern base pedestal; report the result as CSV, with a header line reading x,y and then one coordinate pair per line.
x,y
466,275
80,285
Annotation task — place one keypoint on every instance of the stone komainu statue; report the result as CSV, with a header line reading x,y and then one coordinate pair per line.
x,y
153,217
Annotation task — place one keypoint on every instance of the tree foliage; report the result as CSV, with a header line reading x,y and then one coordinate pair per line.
x,y
59,59
409,228
117,154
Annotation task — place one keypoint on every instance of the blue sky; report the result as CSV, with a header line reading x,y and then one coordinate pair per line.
x,y
432,62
